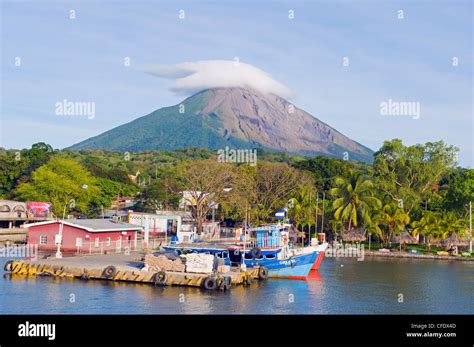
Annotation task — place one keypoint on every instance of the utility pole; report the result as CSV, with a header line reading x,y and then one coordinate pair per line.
x,y
309,224
316,219
118,204
470,226
246,215
322,216
59,237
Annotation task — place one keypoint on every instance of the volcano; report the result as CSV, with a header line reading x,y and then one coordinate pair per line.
x,y
236,117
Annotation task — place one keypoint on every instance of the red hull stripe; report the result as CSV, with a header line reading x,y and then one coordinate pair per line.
x,y
318,261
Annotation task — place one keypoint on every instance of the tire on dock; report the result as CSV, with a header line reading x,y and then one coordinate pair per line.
x,y
223,283
160,278
263,273
248,280
109,272
219,282
8,266
226,284
210,283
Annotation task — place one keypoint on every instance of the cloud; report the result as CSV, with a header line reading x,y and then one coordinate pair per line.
x,y
192,77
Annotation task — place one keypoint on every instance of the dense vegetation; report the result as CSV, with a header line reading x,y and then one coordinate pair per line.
x,y
417,188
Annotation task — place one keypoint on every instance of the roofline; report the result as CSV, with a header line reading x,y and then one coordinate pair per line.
x,y
81,226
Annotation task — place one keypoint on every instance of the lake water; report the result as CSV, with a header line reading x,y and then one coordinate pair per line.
x,y
376,285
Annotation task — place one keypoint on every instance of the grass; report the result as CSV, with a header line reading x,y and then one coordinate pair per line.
x,y
423,249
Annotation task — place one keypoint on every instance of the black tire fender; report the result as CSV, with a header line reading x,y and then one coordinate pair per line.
x,y
109,271
8,266
210,283
227,283
160,278
263,272
220,282
255,252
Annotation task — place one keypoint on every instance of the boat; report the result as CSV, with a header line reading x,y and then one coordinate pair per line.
x,y
271,249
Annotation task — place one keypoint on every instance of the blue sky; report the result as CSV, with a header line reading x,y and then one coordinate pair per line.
x,y
82,59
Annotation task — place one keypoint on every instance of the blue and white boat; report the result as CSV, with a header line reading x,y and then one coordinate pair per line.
x,y
271,249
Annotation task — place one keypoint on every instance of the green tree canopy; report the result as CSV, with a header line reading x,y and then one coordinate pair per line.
x,y
324,170
17,166
410,174
353,199
394,219
275,184
64,183
460,190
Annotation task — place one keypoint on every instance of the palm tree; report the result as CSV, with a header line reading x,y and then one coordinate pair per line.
x,y
372,225
428,226
394,219
450,224
335,225
353,199
302,208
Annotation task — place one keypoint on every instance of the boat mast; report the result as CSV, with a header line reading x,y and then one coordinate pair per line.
x,y
316,219
322,216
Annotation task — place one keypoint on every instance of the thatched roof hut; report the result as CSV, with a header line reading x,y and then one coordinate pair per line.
x,y
455,240
354,235
404,238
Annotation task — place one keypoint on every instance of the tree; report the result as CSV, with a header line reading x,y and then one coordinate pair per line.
x,y
394,219
427,226
275,184
451,224
373,223
460,190
303,207
207,183
239,200
17,166
108,191
409,175
324,170
354,199
161,194
42,147
64,183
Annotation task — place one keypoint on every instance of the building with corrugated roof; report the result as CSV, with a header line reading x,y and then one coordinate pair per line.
x,y
84,235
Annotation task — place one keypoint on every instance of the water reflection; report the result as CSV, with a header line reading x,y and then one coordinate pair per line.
x,y
371,286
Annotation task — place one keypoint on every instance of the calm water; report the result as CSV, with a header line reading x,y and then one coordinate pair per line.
x,y
340,286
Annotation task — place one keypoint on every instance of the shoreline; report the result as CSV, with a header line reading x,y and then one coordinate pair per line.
x,y
415,256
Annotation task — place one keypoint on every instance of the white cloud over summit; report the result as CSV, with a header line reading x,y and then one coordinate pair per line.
x,y
192,77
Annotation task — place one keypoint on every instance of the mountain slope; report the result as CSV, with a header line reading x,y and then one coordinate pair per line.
x,y
234,117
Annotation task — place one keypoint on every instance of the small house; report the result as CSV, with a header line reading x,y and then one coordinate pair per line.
x,y
83,235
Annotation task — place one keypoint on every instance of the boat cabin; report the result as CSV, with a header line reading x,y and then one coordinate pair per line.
x,y
272,236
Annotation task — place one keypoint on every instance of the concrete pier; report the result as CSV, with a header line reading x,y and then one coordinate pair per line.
x,y
12,235
127,268
416,256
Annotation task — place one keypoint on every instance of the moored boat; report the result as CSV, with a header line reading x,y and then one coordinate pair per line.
x,y
271,250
